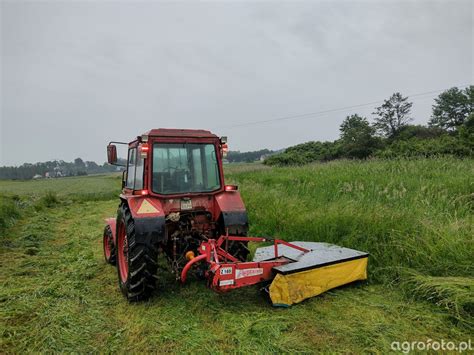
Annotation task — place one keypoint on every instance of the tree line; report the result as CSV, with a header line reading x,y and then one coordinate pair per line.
x,y
450,131
55,168
248,157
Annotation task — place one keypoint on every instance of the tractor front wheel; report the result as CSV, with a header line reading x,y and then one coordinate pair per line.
x,y
136,259
109,247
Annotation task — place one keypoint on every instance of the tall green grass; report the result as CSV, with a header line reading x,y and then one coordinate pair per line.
x,y
410,215
9,212
454,294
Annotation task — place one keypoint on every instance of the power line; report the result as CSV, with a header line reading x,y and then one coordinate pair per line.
x,y
318,113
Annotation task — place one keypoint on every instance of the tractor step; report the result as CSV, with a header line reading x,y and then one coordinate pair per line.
x,y
309,274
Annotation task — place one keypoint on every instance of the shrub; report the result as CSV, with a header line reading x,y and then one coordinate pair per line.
x,y
412,141
412,147
306,153
418,131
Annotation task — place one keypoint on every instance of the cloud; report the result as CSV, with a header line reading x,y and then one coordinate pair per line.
x,y
78,74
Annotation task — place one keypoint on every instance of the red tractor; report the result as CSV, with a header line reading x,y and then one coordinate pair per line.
x,y
175,202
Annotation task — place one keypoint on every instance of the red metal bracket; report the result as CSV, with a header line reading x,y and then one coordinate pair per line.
x,y
230,273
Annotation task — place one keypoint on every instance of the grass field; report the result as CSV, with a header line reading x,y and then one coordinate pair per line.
x,y
415,217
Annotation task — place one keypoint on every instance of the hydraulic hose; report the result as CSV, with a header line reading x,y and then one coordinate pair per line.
x,y
189,264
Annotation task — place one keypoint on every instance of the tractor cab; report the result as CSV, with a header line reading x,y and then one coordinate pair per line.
x,y
172,162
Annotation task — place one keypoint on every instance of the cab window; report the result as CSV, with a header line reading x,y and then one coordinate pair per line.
x,y
139,172
134,170
132,154
185,168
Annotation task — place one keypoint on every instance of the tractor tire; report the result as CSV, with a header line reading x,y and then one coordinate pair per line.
x,y
136,259
109,247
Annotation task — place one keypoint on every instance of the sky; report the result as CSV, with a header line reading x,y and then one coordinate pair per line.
x,y
78,74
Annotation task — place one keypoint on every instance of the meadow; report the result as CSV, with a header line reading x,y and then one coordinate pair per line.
x,y
414,216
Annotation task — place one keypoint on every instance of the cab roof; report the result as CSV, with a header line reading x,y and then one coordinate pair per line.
x,y
174,132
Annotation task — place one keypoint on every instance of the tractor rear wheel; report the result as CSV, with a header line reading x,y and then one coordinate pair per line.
x,y
109,247
136,259
238,249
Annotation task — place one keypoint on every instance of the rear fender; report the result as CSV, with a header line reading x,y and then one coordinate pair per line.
x,y
148,216
232,212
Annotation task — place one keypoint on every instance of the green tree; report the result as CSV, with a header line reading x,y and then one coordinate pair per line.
x,y
452,107
357,137
392,115
79,163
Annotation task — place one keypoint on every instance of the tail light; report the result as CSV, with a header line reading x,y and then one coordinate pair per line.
x,y
144,150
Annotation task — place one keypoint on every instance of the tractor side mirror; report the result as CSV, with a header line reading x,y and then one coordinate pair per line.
x,y
112,154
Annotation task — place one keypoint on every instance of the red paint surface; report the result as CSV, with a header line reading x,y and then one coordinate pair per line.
x,y
226,273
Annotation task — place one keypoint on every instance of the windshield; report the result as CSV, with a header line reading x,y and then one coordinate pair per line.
x,y
183,168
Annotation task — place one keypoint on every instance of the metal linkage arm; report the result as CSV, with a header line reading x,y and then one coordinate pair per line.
x,y
231,273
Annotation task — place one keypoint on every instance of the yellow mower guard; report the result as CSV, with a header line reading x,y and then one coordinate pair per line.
x,y
288,289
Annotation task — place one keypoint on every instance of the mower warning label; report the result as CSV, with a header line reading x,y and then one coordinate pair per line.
x,y
239,274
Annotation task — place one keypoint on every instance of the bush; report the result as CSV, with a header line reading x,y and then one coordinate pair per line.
x,y
411,141
418,131
412,147
306,153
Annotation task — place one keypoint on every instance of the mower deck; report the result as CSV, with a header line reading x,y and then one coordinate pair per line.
x,y
320,254
308,274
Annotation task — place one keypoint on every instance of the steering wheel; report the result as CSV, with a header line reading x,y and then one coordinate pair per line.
x,y
169,168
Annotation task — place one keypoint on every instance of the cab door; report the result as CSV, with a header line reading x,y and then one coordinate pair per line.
x,y
135,170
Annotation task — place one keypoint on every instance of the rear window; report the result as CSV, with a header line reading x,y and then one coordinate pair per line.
x,y
184,168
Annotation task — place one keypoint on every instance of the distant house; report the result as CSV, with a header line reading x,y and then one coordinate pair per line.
x,y
58,172
37,176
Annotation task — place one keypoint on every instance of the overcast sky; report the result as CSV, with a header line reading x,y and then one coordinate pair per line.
x,y
75,75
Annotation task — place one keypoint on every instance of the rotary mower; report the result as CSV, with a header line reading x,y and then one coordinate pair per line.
x,y
174,202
